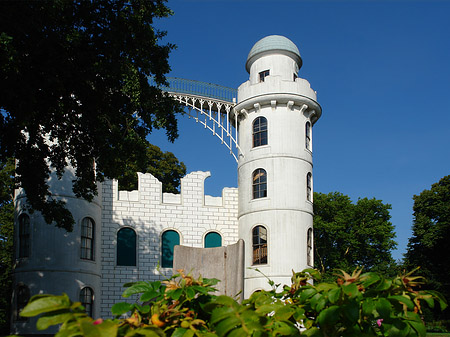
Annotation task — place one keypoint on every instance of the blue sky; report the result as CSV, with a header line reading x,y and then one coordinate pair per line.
x,y
382,73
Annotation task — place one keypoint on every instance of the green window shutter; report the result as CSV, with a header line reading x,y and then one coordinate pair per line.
x,y
169,240
212,240
126,247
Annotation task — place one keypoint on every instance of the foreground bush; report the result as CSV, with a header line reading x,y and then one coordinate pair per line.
x,y
355,305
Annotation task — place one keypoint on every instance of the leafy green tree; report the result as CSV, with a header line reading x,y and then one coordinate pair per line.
x,y
429,245
6,241
163,165
347,235
74,89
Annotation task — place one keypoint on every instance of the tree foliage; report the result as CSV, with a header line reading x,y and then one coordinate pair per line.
x,y
353,305
6,241
347,235
74,90
429,247
162,165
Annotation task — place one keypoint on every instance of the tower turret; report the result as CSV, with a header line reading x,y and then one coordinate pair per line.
x,y
277,110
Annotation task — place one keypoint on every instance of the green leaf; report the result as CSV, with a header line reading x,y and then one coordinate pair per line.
x,y
137,288
402,299
383,306
226,300
107,329
190,293
326,286
284,313
221,313
312,332
227,325
368,307
306,293
53,319
419,327
148,295
182,332
284,329
329,316
121,308
237,333
334,294
175,294
351,290
351,311
383,285
369,279
45,304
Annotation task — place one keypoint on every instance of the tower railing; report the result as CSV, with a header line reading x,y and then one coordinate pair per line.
x,y
214,107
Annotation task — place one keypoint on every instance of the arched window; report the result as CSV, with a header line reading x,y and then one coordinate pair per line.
x,y
308,135
126,247
309,243
259,245
87,300
259,184
213,239
22,298
309,186
87,239
24,235
169,240
259,131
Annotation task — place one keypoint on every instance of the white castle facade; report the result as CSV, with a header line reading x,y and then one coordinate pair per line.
x,y
129,236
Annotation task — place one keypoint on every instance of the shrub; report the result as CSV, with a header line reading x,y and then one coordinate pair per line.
x,y
355,305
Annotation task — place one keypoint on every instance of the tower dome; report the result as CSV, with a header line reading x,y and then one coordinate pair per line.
x,y
273,43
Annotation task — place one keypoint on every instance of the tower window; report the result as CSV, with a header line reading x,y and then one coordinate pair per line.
x,y
263,75
213,239
309,243
169,240
308,135
309,186
126,247
259,131
259,245
87,300
24,235
22,298
259,184
87,239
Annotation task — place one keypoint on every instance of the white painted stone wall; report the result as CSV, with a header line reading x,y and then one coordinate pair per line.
x,y
149,212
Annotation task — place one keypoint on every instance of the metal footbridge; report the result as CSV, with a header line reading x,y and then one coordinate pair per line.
x,y
209,104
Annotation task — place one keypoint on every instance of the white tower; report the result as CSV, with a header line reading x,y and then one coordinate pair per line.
x,y
276,110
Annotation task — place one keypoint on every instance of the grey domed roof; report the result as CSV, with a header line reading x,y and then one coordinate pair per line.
x,y
274,42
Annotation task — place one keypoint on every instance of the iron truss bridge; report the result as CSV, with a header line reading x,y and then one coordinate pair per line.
x,y
209,104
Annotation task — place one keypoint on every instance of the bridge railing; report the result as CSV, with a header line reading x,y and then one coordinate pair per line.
x,y
198,88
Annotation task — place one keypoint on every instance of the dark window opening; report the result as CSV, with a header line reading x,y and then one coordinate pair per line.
x,y
259,184
169,240
24,235
87,239
309,241
22,298
263,75
126,247
260,132
259,245
212,240
87,300
308,135
309,186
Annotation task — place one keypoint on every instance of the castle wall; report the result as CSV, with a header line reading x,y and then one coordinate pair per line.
x,y
149,212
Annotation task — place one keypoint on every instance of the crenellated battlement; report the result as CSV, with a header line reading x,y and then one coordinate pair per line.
x,y
192,192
